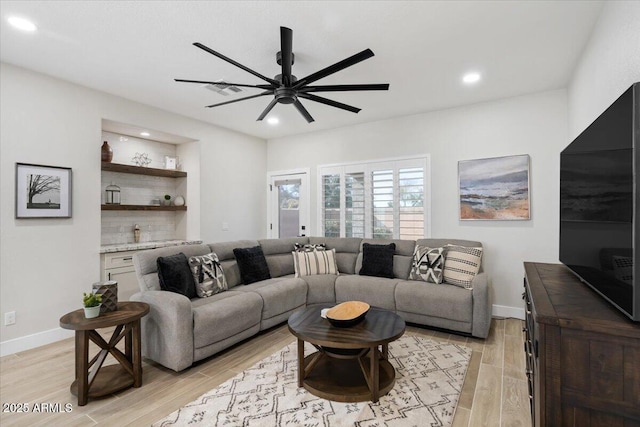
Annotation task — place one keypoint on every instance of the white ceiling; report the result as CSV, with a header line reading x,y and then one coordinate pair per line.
x,y
134,49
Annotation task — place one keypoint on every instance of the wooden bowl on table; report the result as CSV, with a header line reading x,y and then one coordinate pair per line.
x,y
348,313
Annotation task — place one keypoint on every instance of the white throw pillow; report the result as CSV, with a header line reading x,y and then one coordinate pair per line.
x,y
461,264
307,263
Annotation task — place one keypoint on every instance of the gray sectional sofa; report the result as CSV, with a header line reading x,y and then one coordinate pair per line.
x,y
178,331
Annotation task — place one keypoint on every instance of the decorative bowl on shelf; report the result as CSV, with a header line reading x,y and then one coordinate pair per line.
x,y
347,314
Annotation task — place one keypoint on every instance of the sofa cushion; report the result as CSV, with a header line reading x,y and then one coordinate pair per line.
x,y
347,250
223,315
401,260
175,276
277,252
429,299
208,275
252,264
427,264
461,264
145,263
321,288
224,250
375,291
377,260
308,263
279,295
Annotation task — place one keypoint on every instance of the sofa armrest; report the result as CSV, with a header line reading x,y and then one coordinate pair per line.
x,y
167,331
481,306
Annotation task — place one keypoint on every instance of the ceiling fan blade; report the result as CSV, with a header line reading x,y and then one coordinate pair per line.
x,y
330,102
268,92
222,83
344,88
303,111
237,64
266,110
352,60
286,54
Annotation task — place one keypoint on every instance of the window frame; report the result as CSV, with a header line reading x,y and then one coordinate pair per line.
x,y
368,167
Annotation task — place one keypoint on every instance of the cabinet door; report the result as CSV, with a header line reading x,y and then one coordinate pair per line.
x,y
127,281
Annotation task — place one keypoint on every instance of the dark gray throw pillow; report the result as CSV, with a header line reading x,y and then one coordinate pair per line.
x,y
175,275
252,264
377,260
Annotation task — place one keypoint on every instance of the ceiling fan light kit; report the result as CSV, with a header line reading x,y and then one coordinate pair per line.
x,y
286,88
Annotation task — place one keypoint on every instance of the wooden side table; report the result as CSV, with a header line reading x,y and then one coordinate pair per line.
x,y
92,381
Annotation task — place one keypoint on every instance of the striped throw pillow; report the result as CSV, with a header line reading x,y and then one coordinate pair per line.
x,y
461,264
308,263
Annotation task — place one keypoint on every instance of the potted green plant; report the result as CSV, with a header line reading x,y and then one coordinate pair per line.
x,y
167,200
92,304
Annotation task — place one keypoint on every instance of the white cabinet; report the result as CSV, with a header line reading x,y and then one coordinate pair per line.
x,y
118,266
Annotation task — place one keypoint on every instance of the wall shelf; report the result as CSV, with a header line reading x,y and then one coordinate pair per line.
x,y
138,170
142,208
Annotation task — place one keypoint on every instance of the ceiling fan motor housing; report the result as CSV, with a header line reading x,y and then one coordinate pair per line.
x,y
286,95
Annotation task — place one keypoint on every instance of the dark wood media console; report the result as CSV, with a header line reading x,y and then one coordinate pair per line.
x,y
583,356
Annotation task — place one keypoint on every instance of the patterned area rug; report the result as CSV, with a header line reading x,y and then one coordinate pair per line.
x,y
429,378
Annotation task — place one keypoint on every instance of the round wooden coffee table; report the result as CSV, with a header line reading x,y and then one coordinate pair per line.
x,y
91,380
339,370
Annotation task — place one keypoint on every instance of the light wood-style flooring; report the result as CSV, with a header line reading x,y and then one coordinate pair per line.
x,y
494,393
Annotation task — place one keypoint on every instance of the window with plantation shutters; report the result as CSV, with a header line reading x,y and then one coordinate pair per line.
x,y
354,204
383,199
331,205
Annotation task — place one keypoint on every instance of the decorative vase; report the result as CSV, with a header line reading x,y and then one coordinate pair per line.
x,y
107,152
179,201
92,312
109,292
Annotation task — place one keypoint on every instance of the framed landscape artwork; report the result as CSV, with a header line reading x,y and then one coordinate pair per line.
x,y
495,188
43,191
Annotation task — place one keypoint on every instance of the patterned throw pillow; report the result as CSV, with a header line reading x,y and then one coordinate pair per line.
x,y
461,265
310,262
207,275
427,264
299,247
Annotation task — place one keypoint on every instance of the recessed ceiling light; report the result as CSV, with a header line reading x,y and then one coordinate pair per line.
x,y
273,120
145,134
22,24
471,78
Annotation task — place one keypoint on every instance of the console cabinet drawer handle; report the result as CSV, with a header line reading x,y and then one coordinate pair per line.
x,y
127,258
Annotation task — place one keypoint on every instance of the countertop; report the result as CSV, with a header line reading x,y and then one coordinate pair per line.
x,y
122,247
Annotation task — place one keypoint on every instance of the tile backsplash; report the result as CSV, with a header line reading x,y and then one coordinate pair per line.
x,y
117,226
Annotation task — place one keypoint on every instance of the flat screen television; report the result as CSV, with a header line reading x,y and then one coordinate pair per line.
x,y
599,234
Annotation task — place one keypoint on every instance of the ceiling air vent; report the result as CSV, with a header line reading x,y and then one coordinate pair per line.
x,y
223,88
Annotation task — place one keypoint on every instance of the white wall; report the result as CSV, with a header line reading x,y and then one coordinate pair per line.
x,y
46,264
609,65
534,125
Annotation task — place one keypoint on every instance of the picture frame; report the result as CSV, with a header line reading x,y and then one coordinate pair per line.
x,y
495,188
170,162
42,191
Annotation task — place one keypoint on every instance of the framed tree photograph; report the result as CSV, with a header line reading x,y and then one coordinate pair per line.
x,y
43,191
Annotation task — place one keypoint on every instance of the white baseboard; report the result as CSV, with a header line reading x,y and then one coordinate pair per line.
x,y
506,311
32,341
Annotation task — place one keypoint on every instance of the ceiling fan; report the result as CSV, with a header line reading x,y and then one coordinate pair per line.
x,y
286,88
